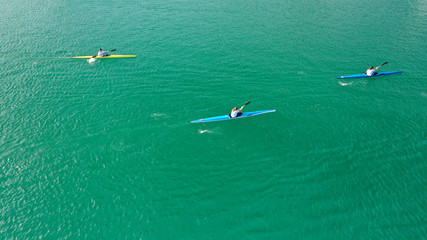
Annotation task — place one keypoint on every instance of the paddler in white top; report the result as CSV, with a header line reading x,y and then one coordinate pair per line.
x,y
103,53
236,112
371,71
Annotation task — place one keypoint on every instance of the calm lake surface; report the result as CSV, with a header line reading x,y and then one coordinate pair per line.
x,y
107,150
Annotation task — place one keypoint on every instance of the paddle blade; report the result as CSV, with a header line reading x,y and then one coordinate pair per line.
x,y
247,103
113,50
384,63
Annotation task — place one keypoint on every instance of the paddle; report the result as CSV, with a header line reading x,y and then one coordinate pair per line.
x,y
113,50
375,73
245,105
380,65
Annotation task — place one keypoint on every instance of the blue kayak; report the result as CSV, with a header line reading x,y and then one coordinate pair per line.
x,y
376,75
227,117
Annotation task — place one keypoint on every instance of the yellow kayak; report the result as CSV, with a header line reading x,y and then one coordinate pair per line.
x,y
111,56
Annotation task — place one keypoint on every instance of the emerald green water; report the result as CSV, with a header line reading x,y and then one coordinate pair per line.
x,y
107,151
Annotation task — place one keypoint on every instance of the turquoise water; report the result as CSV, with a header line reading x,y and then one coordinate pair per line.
x,y
107,151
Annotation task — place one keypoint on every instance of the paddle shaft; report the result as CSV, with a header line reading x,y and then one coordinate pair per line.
x,y
381,65
245,105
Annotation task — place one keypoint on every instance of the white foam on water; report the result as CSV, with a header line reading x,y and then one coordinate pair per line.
x,y
345,84
158,115
204,131
91,61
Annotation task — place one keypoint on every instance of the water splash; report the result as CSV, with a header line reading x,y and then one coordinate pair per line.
x,y
156,115
91,61
204,131
345,84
